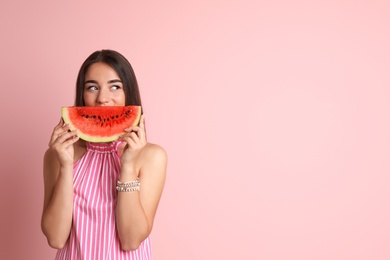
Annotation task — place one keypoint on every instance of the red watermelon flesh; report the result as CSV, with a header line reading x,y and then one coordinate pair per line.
x,y
101,124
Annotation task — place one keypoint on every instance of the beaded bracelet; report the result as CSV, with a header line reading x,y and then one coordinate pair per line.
x,y
128,186
128,183
136,188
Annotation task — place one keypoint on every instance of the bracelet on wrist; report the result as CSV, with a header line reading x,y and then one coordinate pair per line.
x,y
128,186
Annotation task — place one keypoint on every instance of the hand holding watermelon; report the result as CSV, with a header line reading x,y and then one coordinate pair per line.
x,y
61,142
135,139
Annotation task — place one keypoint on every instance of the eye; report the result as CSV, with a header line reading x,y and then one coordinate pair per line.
x,y
115,87
92,88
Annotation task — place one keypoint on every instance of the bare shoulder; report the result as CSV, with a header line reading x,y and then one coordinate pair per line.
x,y
154,152
154,157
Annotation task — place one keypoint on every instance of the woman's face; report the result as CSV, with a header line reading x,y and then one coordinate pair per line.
x,y
103,87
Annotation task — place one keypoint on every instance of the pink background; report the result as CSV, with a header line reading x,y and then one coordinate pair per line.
x,y
275,116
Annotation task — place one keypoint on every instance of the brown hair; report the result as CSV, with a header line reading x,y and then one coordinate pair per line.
x,y
122,67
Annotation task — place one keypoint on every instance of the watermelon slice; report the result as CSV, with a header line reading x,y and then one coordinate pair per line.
x,y
101,124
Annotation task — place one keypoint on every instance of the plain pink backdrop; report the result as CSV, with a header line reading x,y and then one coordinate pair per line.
x,y
274,114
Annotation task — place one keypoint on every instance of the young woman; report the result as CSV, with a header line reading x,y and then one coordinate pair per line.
x,y
84,215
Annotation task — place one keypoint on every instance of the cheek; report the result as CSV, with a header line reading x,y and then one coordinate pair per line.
x,y
88,99
121,98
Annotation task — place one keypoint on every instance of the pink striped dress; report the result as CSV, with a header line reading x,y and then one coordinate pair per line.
x,y
93,235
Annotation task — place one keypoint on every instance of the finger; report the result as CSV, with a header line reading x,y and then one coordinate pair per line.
x,y
62,138
70,141
61,122
140,132
130,130
62,128
60,148
65,128
57,132
126,133
142,122
132,135
59,125
130,142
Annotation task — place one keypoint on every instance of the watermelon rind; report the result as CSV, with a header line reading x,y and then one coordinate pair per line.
x,y
108,137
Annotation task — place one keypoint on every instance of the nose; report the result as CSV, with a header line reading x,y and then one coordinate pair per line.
x,y
102,97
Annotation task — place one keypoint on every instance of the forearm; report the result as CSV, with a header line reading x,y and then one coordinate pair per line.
x,y
57,216
131,220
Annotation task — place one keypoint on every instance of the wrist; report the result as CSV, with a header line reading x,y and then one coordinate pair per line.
x,y
128,173
64,169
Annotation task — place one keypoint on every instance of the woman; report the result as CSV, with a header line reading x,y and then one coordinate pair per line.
x,y
84,215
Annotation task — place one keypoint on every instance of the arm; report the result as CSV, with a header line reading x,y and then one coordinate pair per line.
x,y
56,219
135,211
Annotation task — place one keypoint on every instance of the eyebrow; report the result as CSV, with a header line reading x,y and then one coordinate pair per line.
x,y
95,82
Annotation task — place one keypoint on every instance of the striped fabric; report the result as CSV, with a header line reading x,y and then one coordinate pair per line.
x,y
93,235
